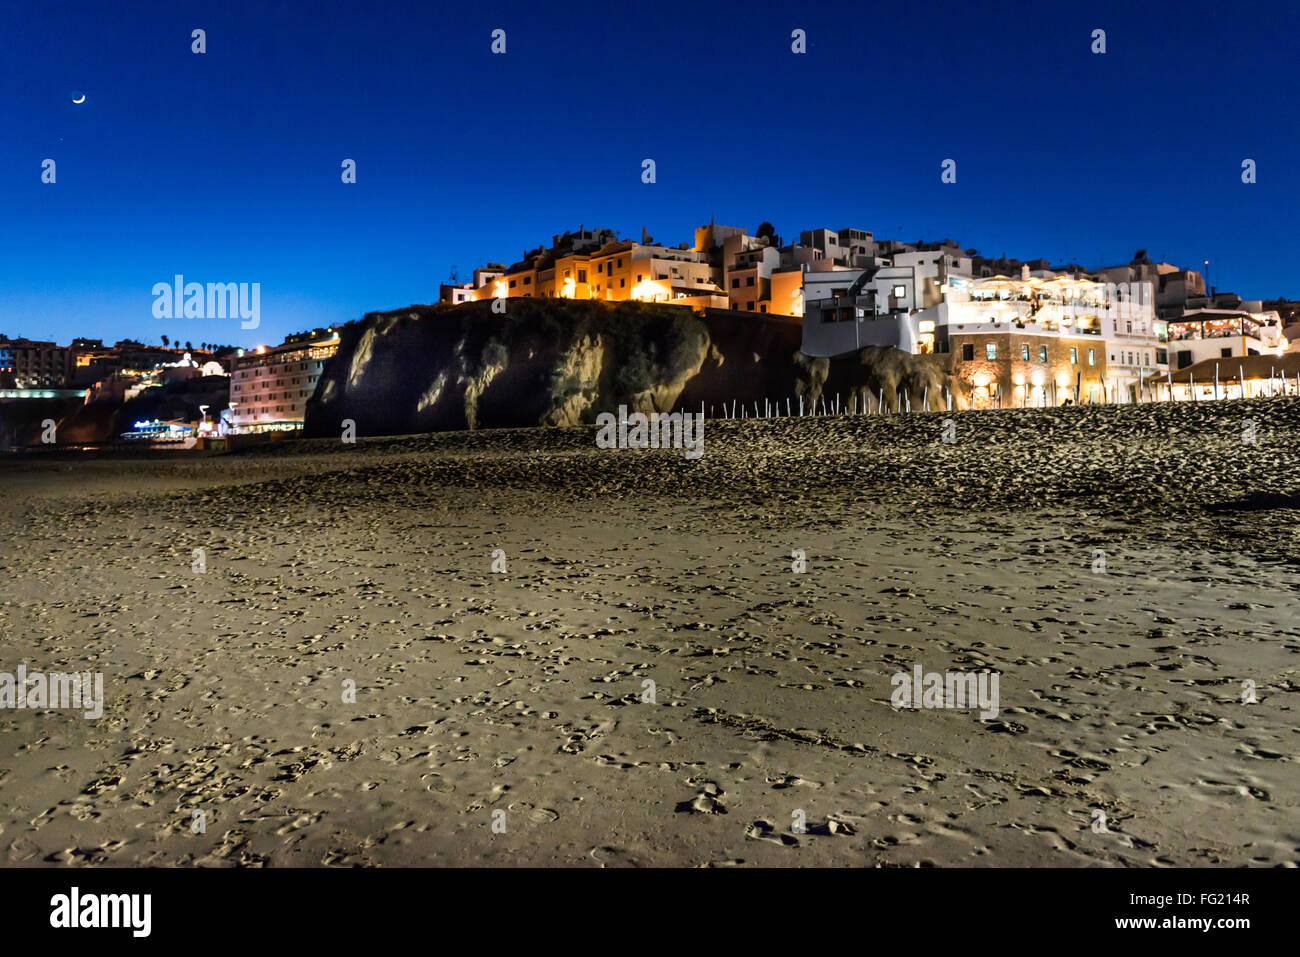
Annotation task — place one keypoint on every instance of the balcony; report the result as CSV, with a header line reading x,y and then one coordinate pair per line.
x,y
843,301
1040,317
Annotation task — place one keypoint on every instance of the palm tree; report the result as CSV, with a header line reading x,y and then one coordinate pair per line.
x,y
165,341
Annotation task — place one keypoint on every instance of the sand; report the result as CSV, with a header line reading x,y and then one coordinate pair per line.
x,y
522,692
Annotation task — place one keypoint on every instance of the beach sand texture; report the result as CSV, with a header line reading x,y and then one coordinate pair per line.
x,y
523,692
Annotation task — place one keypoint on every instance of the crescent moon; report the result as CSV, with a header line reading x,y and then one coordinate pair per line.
x,y
79,98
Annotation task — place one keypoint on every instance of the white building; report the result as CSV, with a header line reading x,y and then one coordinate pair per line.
x,y
269,388
1202,334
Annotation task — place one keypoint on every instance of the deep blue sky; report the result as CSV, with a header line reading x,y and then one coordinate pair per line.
x,y
225,166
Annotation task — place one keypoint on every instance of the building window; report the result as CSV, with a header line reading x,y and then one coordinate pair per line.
x,y
900,292
622,283
582,275
750,305
1092,357
990,350
1074,356
1226,353
528,281
735,284
968,352
749,280
1024,351
1042,353
512,284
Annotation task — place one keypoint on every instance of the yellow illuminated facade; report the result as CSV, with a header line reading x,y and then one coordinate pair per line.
x,y
623,270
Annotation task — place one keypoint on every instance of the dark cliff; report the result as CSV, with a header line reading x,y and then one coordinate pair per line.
x,y
561,362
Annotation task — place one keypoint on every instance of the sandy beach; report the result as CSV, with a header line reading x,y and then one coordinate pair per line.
x,y
524,691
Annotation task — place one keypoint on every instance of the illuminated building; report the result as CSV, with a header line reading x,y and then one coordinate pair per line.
x,y
33,365
269,387
1033,341
1202,334
595,264
1223,377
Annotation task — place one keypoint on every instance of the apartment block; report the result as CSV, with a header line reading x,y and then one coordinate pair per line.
x,y
269,387
32,364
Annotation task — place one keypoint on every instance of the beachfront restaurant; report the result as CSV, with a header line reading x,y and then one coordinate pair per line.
x,y
1234,377
1219,334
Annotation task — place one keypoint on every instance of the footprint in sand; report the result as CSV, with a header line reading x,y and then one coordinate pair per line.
x,y
538,815
765,830
434,782
708,801
783,781
613,857
832,826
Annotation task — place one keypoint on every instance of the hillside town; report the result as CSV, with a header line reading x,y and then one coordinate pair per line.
x,y
1018,332
1011,332
248,391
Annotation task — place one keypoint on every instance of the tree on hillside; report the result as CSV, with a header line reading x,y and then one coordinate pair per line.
x,y
766,229
165,340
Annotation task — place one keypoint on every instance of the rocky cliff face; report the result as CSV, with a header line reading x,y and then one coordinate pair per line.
x,y
876,374
561,362
22,420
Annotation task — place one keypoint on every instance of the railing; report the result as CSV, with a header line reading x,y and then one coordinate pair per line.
x,y
1023,312
841,302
